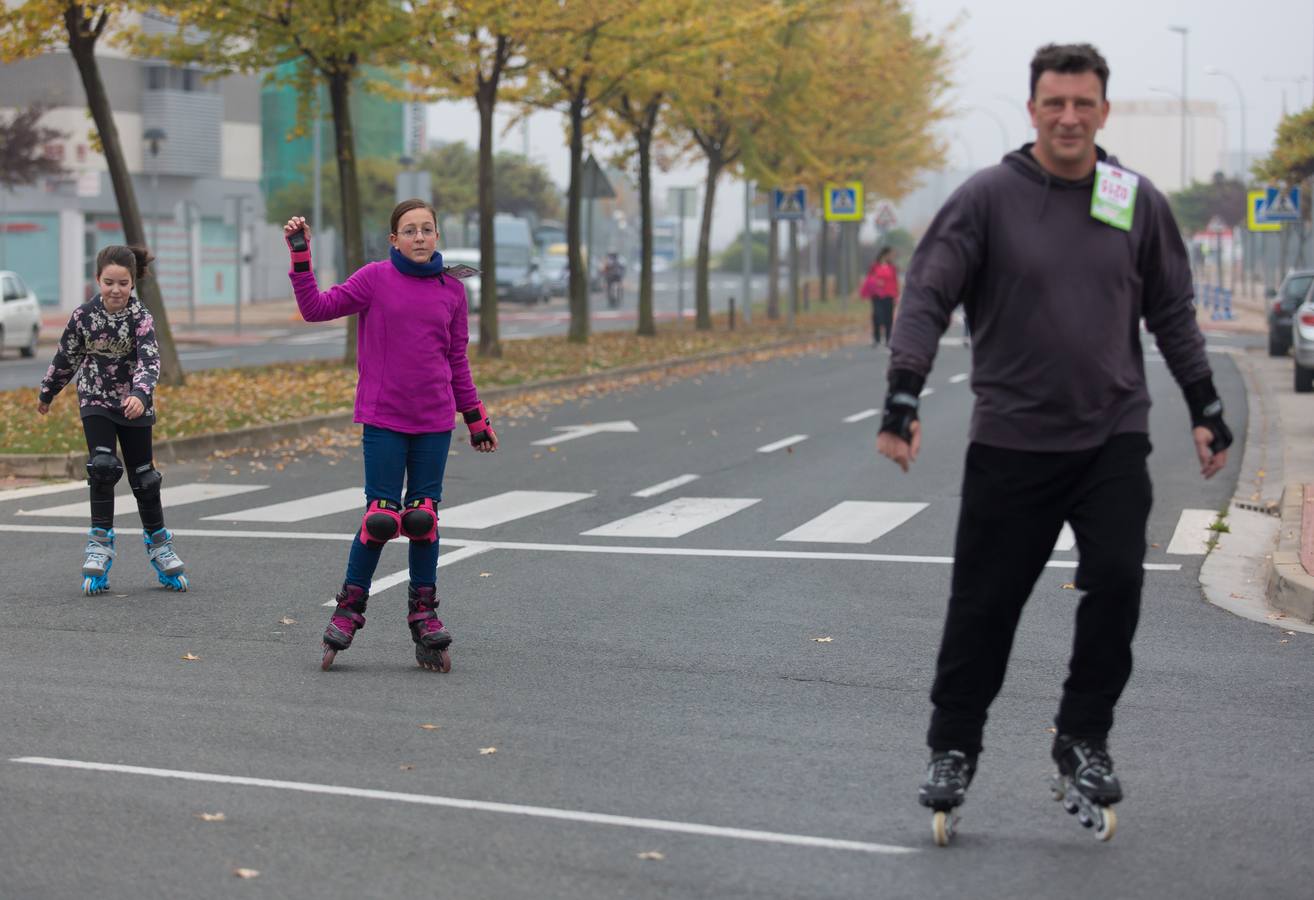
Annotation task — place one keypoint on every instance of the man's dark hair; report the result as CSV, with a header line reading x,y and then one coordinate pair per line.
x,y
1069,59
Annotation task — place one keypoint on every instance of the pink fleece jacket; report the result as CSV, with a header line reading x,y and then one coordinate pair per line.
x,y
414,374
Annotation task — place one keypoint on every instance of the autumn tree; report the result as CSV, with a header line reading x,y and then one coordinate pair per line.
x,y
1292,159
23,139
333,42
35,27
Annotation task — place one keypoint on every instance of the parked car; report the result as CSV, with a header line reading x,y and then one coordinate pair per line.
x,y
469,256
20,316
1302,346
1294,290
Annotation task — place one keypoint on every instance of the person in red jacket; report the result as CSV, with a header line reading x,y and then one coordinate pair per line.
x,y
881,287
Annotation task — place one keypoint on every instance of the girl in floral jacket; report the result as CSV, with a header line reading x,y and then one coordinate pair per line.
x,y
109,345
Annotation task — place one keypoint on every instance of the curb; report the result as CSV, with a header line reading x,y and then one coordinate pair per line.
x,y
71,464
1290,584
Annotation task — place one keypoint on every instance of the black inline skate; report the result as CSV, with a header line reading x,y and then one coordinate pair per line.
x,y
948,775
1085,783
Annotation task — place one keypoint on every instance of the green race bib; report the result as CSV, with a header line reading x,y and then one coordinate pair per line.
x,y
1114,199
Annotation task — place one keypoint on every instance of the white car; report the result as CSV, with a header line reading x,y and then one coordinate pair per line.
x,y
20,317
466,256
1302,346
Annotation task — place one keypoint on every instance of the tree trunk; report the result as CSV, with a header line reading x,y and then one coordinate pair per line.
x,y
353,247
490,343
83,49
773,270
702,294
643,137
579,276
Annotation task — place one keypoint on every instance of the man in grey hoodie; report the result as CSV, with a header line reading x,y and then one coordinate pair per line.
x,y
1057,254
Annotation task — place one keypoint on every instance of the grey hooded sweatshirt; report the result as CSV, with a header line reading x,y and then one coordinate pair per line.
x,y
1055,299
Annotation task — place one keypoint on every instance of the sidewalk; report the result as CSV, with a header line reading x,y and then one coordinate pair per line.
x,y
211,324
1263,568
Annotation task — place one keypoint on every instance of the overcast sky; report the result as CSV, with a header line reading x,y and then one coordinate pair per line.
x,y
1266,45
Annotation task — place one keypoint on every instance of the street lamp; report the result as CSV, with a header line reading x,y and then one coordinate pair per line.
x,y
1182,30
154,137
1241,98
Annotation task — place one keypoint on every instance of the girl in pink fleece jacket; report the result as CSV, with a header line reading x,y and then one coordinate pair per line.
x,y
414,376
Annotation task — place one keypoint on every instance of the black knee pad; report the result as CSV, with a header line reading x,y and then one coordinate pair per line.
x,y
420,520
145,480
104,468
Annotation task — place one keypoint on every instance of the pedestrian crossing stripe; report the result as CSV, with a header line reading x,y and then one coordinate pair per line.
x,y
674,518
854,522
170,497
299,510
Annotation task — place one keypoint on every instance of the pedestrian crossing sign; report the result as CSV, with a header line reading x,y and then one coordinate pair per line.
x,y
1281,204
1255,220
844,202
791,204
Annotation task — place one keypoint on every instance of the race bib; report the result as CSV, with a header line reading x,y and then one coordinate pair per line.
x,y
1114,199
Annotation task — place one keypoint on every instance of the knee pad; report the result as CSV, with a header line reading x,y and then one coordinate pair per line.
x,y
104,468
420,521
145,479
381,523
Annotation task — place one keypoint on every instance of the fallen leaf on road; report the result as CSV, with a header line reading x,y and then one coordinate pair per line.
x,y
211,817
246,873
429,726
652,854
822,640
1051,730
1069,586
1292,633
485,574
190,657
487,751
406,768
789,449
1284,641
287,620
1154,545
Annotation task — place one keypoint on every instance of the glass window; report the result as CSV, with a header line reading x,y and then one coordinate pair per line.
x,y
18,284
1294,291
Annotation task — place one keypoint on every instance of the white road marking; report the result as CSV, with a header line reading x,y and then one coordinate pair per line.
x,y
170,497
379,585
1066,539
38,490
674,518
506,507
571,432
561,548
854,522
1192,534
301,509
858,417
514,809
959,378
783,443
926,392
663,487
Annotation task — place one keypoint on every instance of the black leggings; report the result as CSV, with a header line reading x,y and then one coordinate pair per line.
x,y
882,318
1014,504
135,440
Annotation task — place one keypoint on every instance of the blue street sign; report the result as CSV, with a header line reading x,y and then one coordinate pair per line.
x,y
1281,205
789,204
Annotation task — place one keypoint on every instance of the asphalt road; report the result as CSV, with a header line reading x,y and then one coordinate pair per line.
x,y
314,342
666,721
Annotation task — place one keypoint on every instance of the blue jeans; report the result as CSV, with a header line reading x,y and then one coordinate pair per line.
x,y
390,456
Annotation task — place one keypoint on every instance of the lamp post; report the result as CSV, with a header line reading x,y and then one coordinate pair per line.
x,y
154,137
1183,30
1241,99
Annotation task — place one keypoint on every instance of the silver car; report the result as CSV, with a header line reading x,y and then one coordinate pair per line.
x,y
1302,346
20,317
466,256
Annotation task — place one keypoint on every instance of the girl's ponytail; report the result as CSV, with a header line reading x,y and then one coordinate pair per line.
x,y
136,260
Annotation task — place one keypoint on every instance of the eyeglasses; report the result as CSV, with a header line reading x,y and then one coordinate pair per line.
x,y
410,233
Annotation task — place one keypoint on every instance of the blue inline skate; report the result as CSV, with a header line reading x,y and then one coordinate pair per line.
x,y
169,568
99,558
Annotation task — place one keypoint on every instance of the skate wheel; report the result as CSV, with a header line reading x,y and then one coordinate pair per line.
x,y
443,663
1108,825
182,583
943,826
329,655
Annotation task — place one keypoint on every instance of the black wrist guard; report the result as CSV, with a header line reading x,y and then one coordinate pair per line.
x,y
1207,412
901,403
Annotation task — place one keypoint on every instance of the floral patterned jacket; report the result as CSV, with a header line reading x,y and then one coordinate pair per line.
x,y
114,356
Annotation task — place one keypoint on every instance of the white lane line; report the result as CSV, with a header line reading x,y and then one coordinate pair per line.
x,y
505,507
858,417
854,522
170,497
379,585
783,443
926,392
959,378
1066,539
38,490
561,548
1191,537
513,809
674,518
663,487
301,509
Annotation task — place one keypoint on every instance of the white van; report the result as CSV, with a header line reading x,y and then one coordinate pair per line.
x,y
20,317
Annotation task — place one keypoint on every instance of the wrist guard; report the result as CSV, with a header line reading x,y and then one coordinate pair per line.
x,y
299,246
901,403
1207,412
481,427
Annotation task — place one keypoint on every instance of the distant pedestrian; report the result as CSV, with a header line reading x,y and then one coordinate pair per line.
x,y
881,287
109,345
1058,254
414,375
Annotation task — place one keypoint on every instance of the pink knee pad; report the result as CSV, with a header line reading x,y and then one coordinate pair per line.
x,y
420,521
382,522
